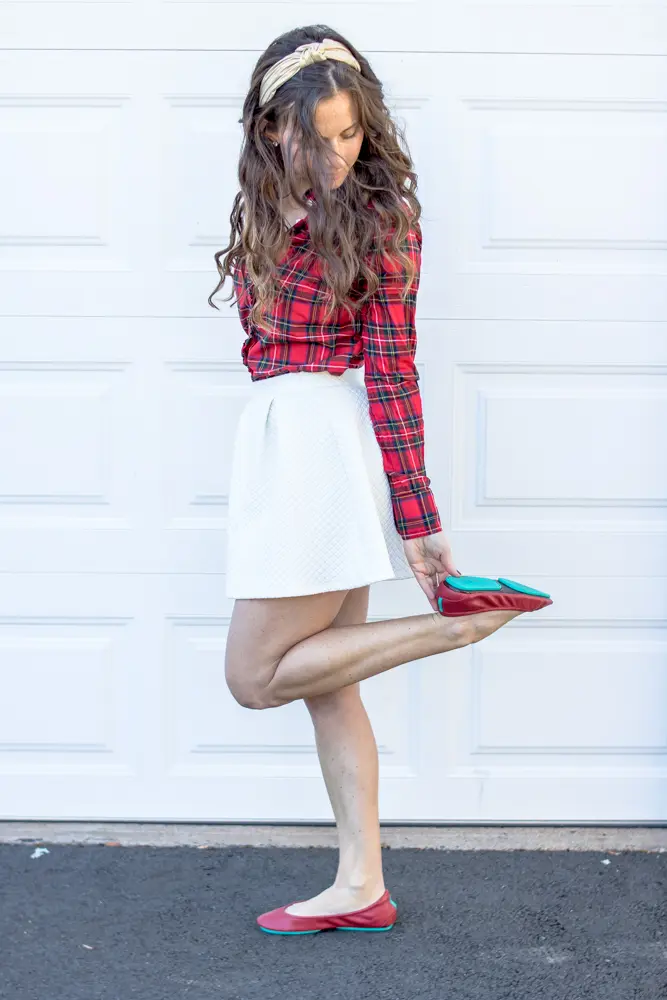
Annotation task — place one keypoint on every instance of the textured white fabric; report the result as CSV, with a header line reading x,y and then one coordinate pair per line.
x,y
309,508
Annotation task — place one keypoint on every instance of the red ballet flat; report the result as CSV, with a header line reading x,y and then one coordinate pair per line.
x,y
468,595
379,916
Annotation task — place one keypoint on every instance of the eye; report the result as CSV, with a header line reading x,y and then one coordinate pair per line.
x,y
353,134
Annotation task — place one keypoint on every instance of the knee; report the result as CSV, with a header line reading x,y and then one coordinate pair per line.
x,y
247,694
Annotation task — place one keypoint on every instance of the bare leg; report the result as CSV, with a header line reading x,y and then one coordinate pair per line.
x,y
336,657
283,648
349,760
348,756
324,648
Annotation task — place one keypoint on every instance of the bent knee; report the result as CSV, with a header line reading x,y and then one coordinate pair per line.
x,y
249,694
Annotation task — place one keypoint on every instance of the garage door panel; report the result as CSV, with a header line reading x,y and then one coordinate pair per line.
x,y
62,415
588,694
72,238
547,202
116,443
583,440
199,138
81,143
66,466
542,440
201,405
72,707
51,662
550,26
569,187
589,721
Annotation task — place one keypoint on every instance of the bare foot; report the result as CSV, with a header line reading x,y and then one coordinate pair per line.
x,y
334,900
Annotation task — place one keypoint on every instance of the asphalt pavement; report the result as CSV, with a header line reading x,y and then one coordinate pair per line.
x,y
86,922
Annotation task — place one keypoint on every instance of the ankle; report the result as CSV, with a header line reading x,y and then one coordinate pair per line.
x,y
360,885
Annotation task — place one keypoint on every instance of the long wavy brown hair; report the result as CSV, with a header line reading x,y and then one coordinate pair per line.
x,y
368,214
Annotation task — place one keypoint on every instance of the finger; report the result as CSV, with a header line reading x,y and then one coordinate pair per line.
x,y
426,585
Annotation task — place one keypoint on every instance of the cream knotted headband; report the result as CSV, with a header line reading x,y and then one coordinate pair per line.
x,y
303,55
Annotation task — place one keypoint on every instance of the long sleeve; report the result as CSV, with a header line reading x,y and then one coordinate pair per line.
x,y
391,377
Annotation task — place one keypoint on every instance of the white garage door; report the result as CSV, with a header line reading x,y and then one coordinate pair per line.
x,y
540,137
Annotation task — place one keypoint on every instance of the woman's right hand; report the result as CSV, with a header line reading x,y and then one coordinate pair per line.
x,y
431,560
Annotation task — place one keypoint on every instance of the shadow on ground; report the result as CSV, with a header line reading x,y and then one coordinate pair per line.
x,y
163,923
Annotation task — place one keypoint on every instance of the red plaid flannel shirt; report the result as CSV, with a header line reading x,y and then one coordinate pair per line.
x,y
382,337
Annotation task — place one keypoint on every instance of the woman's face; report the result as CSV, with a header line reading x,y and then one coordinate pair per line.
x,y
336,121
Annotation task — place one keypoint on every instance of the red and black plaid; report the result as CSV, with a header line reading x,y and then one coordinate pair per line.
x,y
381,337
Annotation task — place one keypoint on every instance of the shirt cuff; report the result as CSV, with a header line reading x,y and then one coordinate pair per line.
x,y
415,512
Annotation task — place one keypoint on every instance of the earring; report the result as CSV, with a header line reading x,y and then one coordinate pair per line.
x,y
275,143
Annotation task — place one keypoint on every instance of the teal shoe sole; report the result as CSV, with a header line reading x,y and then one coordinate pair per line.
x,y
364,930
479,584
286,933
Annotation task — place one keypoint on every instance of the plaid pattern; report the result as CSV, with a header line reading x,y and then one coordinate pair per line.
x,y
381,336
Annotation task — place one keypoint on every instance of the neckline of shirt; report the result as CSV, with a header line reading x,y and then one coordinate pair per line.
x,y
310,198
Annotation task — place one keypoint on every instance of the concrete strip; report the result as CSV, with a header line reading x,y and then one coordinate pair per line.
x,y
451,838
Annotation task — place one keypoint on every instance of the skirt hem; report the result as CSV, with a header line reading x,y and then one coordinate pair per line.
x,y
320,590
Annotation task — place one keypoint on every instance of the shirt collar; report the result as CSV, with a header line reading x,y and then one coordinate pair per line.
x,y
302,223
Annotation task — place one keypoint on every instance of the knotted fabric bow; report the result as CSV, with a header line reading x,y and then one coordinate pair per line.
x,y
303,55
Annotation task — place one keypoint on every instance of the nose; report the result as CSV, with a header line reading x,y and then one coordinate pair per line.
x,y
337,158
335,146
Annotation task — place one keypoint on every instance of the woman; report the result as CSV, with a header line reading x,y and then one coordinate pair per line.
x,y
328,489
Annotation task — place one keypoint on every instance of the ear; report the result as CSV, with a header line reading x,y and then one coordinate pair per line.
x,y
272,136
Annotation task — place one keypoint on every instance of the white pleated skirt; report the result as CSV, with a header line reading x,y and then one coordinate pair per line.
x,y
309,502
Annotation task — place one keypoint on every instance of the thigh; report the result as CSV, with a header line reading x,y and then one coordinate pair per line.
x,y
262,630
354,609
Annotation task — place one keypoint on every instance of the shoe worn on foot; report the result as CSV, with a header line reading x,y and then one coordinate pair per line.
x,y
379,916
469,595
